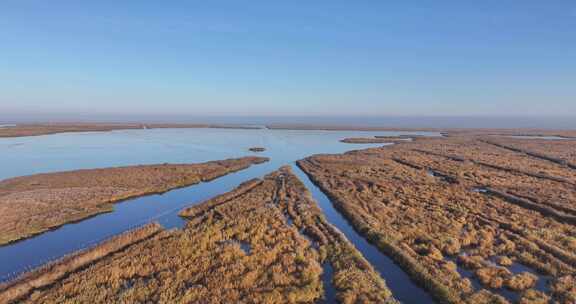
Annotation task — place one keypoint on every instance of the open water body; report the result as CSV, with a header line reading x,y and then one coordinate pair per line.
x,y
70,151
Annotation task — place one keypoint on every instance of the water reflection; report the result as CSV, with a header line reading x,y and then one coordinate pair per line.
x,y
69,151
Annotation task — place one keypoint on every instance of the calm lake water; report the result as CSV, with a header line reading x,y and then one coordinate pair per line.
x,y
70,151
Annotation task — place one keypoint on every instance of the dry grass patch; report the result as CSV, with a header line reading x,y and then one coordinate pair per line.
x,y
416,201
33,204
239,247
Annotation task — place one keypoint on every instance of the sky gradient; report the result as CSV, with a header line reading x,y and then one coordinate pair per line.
x,y
288,58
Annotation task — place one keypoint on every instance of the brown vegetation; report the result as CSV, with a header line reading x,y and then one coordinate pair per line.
x,y
53,272
46,129
249,245
373,140
558,151
532,296
433,201
33,204
257,149
564,289
354,278
446,131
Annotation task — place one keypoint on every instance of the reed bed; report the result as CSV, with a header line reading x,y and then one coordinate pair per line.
x,y
263,242
30,205
51,273
447,235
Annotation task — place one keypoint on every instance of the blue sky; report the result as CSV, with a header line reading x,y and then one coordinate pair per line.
x,y
436,58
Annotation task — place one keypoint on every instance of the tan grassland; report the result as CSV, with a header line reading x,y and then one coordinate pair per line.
x,y
264,242
439,206
51,273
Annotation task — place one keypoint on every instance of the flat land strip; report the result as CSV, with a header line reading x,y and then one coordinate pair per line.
x,y
264,242
46,129
466,216
21,130
36,129
373,140
33,204
446,131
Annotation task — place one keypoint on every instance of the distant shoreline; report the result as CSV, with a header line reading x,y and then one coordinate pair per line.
x,y
38,129
24,130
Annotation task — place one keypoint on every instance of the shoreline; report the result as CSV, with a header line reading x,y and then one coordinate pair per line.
x,y
39,129
52,272
30,190
27,130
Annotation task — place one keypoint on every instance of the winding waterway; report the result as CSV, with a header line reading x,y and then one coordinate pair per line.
x,y
397,280
70,151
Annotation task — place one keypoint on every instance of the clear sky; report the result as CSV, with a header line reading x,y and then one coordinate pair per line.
x,y
298,57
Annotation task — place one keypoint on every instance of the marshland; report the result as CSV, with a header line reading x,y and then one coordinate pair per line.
x,y
395,217
299,152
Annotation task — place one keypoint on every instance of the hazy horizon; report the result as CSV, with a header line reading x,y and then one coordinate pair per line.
x,y
534,122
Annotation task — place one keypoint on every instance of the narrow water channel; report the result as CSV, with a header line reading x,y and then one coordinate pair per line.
x,y
164,208
22,156
397,280
329,289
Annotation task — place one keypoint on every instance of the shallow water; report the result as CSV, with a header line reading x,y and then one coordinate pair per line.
x,y
70,151
329,289
515,268
397,280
